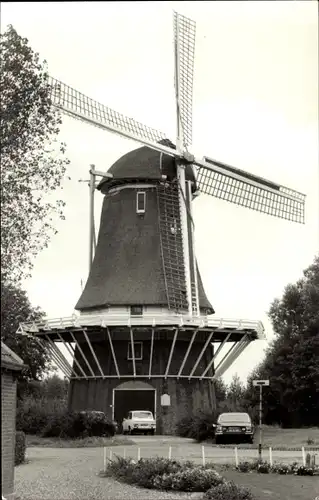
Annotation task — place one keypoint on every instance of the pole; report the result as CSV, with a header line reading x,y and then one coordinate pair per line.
x,y
91,221
203,456
260,420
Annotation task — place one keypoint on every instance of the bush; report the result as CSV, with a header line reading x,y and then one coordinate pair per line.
x,y
144,471
228,491
50,418
188,479
263,468
198,426
34,414
78,425
277,468
19,455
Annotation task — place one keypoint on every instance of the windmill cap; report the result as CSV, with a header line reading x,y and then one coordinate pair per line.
x,y
145,164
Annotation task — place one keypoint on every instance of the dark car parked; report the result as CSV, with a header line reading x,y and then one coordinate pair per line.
x,y
234,427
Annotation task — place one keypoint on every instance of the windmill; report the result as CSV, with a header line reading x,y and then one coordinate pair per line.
x,y
143,337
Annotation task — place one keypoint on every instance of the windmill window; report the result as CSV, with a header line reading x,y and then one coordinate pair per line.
x,y
136,310
138,351
140,202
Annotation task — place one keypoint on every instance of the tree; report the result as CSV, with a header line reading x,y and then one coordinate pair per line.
x,y
235,393
220,390
33,163
292,360
16,308
51,387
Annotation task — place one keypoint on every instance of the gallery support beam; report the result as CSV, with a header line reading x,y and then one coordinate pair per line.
x,y
48,349
151,353
133,352
93,353
233,357
187,352
216,354
82,354
230,356
60,356
171,353
201,354
113,352
71,351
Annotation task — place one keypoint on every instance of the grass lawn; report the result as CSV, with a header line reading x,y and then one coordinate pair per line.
x,y
89,442
275,436
276,487
284,439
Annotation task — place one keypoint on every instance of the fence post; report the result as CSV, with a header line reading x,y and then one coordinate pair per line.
x,y
104,459
169,452
111,454
124,453
138,453
303,456
203,455
236,456
270,456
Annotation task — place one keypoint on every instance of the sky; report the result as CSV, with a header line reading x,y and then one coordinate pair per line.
x,y
255,107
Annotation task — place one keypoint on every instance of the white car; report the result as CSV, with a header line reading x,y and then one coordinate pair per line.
x,y
139,421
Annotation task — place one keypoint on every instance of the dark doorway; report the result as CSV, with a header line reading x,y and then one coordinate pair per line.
x,y
129,400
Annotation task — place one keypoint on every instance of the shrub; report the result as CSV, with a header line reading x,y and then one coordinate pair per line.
x,y
198,426
78,425
263,468
145,470
142,472
19,455
50,418
305,471
244,466
228,491
164,474
188,479
34,414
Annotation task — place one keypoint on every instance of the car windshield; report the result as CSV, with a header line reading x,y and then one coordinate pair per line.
x,y
234,418
142,414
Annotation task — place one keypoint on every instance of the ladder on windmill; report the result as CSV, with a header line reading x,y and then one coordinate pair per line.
x,y
172,249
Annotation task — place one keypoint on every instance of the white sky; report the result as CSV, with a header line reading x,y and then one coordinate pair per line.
x,y
255,106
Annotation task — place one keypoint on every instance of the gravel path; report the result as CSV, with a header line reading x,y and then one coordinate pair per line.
x,y
70,474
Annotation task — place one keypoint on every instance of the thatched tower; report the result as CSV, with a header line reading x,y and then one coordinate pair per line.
x,y
138,270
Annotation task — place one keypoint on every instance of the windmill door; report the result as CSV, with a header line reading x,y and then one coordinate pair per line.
x,y
132,399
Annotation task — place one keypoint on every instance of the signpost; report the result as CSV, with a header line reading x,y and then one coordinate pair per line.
x,y
260,384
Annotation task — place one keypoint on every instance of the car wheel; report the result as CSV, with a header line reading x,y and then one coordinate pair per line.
x,y
217,440
152,432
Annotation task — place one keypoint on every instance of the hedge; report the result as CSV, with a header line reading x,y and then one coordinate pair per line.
x,y
51,418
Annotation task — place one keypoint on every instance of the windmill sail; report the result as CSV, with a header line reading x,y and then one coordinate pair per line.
x,y
251,191
78,105
184,41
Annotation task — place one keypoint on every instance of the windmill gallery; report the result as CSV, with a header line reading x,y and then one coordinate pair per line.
x,y
144,337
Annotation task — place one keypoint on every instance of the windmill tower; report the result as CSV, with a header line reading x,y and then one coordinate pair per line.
x,y
144,327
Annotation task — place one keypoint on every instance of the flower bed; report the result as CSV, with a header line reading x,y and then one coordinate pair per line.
x,y
165,474
278,468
